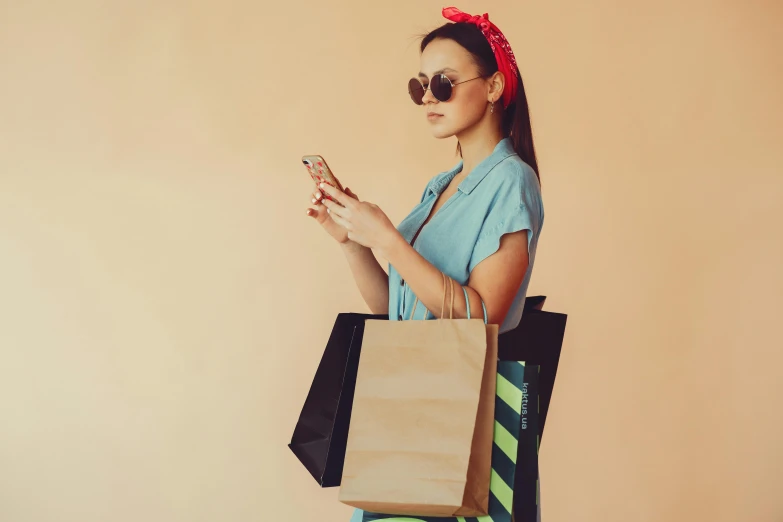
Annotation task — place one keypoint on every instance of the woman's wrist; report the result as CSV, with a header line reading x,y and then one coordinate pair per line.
x,y
392,245
351,247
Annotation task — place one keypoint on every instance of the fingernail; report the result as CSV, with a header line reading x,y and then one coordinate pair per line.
x,y
313,200
321,185
328,211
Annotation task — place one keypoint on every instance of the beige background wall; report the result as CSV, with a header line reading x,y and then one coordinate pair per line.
x,y
164,300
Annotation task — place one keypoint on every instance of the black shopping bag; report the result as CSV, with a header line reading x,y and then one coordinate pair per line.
x,y
321,433
537,340
526,497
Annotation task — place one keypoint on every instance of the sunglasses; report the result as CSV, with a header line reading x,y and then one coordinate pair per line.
x,y
440,86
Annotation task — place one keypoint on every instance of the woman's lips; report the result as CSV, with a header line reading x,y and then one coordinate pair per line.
x,y
433,116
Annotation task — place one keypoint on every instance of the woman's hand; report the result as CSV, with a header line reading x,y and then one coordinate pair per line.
x,y
365,223
319,213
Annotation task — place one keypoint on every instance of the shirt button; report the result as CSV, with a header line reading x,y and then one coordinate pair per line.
x,y
400,318
402,282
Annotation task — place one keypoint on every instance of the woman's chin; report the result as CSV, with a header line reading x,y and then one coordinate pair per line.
x,y
441,132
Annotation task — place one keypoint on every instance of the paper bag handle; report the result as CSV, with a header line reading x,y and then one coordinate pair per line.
x,y
467,304
443,305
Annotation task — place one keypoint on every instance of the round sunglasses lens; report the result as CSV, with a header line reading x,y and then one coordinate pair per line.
x,y
441,88
416,91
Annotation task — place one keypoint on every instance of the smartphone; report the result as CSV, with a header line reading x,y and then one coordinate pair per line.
x,y
321,173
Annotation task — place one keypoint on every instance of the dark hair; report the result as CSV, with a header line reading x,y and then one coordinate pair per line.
x,y
516,117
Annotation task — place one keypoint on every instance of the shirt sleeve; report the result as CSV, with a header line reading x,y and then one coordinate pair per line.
x,y
515,206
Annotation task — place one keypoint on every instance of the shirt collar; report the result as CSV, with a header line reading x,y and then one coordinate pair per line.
x,y
503,150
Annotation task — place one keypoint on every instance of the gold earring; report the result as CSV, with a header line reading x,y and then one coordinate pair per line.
x,y
492,107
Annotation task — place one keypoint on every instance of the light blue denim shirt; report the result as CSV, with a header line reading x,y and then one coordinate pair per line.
x,y
501,195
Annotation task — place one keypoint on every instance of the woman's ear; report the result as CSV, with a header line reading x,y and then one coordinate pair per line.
x,y
496,85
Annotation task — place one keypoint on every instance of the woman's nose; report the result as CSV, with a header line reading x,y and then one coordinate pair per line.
x,y
428,97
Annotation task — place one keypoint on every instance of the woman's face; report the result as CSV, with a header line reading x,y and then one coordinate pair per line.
x,y
468,102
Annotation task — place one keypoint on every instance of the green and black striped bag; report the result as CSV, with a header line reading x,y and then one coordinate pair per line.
x,y
514,484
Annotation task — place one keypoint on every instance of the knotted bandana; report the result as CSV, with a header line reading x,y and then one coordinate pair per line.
x,y
507,64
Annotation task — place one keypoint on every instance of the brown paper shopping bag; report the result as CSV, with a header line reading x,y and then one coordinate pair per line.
x,y
420,437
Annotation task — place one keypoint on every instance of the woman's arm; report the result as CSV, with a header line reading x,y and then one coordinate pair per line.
x,y
495,280
371,279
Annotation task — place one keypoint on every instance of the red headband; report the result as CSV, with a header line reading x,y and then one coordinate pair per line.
x,y
507,64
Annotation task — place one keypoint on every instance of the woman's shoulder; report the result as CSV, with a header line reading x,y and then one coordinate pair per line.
x,y
513,170
511,182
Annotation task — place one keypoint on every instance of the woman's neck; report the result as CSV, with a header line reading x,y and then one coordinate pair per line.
x,y
476,145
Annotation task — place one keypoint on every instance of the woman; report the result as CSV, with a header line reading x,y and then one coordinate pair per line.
x,y
479,223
